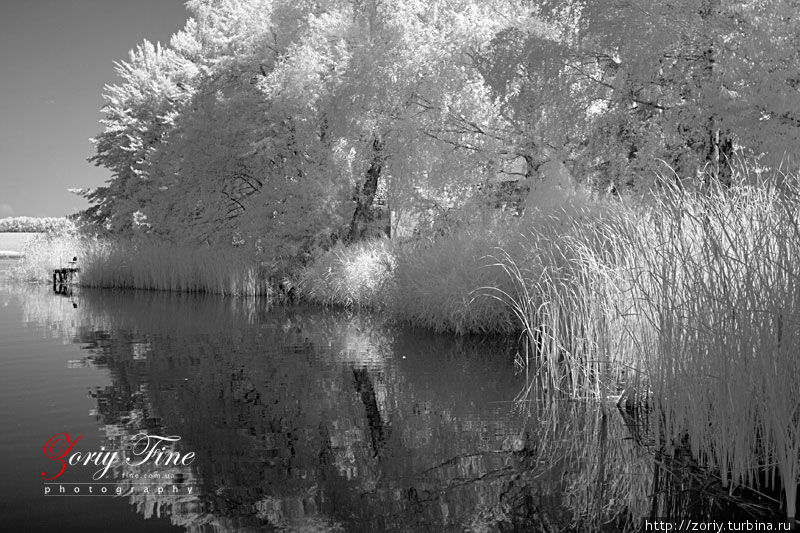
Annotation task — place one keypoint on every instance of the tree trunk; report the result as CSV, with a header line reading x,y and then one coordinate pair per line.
x,y
362,216
718,157
364,387
719,145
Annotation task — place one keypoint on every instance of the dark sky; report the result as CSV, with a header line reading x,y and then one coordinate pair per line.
x,y
55,57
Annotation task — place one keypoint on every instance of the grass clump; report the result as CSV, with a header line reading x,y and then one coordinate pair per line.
x,y
695,300
160,266
429,282
439,280
45,252
360,275
721,293
142,264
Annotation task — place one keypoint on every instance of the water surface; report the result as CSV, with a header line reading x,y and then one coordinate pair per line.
x,y
298,419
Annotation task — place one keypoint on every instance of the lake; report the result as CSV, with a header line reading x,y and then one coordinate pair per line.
x,y
12,244
179,412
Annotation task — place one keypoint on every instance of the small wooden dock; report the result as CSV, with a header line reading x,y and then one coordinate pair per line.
x,y
62,276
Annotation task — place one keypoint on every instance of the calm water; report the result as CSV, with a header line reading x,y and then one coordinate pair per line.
x,y
298,419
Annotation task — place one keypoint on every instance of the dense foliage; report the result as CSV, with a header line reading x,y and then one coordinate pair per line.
x,y
274,125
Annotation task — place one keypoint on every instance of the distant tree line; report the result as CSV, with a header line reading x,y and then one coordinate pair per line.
x,y
34,224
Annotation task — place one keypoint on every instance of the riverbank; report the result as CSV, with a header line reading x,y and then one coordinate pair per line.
x,y
143,264
686,302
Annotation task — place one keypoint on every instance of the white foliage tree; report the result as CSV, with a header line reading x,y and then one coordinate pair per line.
x,y
619,87
140,111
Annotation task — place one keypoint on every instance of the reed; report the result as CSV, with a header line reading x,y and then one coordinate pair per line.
x,y
160,266
722,293
437,278
142,264
693,300
47,251
563,293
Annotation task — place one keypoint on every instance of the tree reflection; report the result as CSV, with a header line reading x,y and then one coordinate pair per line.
x,y
308,420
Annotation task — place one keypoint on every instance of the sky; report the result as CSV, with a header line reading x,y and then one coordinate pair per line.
x,y
55,58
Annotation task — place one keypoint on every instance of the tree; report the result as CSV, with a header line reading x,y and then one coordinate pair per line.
x,y
352,98
274,124
620,87
140,111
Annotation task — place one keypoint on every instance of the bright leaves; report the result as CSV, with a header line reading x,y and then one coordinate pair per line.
x,y
258,123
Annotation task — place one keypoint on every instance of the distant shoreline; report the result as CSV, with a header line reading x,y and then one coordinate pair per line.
x,y
12,244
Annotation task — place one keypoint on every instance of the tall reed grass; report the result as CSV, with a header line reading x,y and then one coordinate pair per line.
x,y
437,280
693,300
160,266
143,264
47,251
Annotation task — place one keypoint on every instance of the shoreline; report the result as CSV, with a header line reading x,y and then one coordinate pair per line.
x,y
710,477
12,243
386,282
8,254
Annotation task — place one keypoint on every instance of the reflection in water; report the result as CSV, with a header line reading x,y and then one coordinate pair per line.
x,y
307,420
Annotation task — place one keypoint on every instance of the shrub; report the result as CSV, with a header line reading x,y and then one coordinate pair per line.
x,y
360,275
